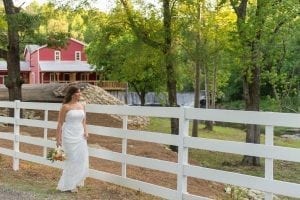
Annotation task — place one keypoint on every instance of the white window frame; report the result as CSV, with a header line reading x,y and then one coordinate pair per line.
x,y
78,55
57,55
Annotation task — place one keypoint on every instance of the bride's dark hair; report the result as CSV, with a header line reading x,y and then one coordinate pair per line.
x,y
71,90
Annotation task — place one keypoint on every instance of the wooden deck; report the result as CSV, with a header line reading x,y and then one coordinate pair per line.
x,y
106,85
112,85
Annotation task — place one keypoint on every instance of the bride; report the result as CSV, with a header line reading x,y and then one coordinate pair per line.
x,y
72,135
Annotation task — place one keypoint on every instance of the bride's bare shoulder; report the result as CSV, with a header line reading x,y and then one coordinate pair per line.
x,y
81,106
66,107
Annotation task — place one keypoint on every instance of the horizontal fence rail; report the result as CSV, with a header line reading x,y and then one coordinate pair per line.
x,y
182,169
245,117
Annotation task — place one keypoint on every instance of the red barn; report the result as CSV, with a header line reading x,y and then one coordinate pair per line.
x,y
59,65
45,65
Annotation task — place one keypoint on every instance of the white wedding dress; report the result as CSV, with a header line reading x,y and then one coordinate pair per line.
x,y
76,166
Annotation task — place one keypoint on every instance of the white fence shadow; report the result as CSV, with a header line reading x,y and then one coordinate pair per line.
x,y
181,168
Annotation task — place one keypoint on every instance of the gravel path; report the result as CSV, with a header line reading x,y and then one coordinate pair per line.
x,y
11,194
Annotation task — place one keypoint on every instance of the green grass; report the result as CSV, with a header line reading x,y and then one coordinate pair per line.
x,y
283,170
39,188
289,104
266,104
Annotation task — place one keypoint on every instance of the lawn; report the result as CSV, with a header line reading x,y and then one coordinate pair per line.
x,y
283,170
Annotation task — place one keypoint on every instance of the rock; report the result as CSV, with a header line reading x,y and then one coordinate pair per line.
x,y
245,193
228,190
95,95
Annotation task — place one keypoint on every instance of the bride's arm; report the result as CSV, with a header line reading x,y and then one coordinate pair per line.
x,y
86,134
60,121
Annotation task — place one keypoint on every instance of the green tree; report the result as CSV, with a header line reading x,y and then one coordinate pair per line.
x,y
165,46
204,34
281,58
190,24
94,21
122,56
253,18
51,27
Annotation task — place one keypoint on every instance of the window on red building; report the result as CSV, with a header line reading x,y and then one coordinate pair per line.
x,y
77,55
57,55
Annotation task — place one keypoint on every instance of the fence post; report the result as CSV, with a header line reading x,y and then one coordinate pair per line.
x,y
182,154
16,160
45,133
269,141
124,146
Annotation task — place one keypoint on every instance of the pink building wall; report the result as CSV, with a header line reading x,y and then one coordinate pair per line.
x,y
66,54
34,77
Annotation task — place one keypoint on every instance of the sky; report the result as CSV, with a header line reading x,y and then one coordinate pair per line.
x,y
103,5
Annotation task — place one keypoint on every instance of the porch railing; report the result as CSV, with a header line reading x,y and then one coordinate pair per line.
x,y
106,85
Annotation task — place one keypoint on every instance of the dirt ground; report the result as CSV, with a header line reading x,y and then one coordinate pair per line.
x,y
95,189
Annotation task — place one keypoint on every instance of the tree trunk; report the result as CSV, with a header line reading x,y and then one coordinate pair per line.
x,y
143,98
14,81
252,100
252,137
252,85
251,77
170,69
197,74
196,98
208,124
211,101
141,94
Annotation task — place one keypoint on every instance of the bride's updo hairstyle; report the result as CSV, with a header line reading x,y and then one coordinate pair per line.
x,y
72,90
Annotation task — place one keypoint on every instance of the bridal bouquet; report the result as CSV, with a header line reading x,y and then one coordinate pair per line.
x,y
56,154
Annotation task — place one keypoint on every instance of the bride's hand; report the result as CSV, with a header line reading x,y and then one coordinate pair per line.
x,y
58,143
86,135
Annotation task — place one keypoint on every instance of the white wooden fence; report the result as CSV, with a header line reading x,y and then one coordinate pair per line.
x,y
182,168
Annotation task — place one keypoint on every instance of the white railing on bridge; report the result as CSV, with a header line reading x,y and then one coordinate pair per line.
x,y
181,168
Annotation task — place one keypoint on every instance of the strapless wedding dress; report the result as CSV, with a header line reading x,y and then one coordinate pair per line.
x,y
76,166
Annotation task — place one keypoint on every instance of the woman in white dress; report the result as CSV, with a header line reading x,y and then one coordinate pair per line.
x,y
72,135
